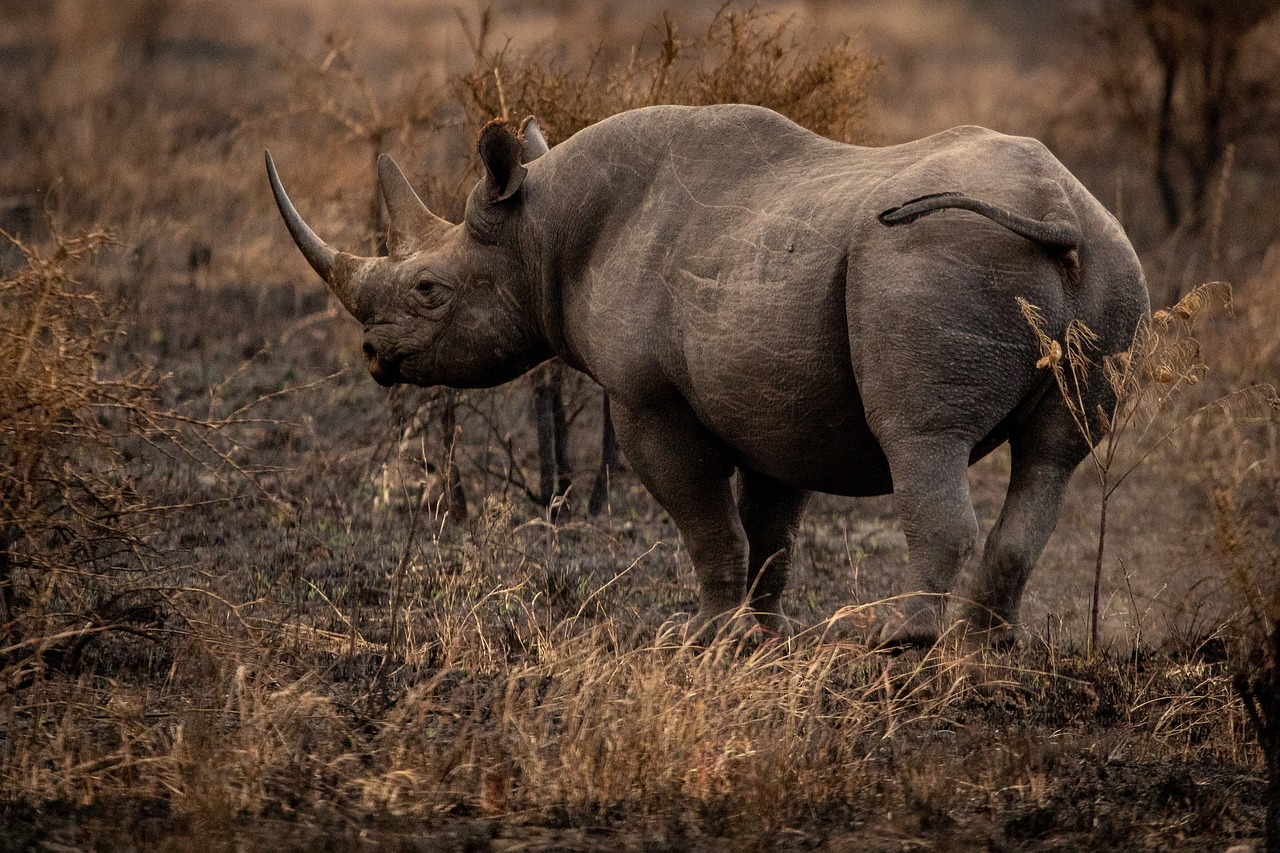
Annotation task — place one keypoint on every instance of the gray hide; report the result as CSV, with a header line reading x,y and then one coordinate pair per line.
x,y
757,298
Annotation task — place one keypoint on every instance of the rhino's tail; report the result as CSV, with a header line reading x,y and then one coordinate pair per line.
x,y
1055,236
1059,238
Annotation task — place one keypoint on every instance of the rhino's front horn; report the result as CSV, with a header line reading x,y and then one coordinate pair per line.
x,y
315,250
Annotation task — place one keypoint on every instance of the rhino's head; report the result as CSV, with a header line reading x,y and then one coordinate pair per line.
x,y
450,304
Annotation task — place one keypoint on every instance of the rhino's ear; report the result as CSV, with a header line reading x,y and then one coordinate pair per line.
x,y
535,144
500,151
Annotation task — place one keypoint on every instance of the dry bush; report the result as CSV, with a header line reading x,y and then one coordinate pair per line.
x,y
76,442
338,90
748,57
1246,529
72,521
1147,382
1258,683
1151,383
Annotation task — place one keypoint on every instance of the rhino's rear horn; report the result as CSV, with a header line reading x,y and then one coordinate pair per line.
x,y
411,222
315,250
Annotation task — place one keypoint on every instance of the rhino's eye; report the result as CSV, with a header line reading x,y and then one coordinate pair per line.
x,y
433,293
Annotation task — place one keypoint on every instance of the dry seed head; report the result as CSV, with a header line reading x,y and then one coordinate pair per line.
x,y
1052,357
1164,374
1161,317
1189,306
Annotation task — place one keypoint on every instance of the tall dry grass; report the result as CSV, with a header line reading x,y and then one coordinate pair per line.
x,y
730,741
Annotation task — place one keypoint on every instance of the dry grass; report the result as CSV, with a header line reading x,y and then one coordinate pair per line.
x,y
1147,383
722,741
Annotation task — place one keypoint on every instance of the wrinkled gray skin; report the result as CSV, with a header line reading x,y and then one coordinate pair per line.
x,y
734,283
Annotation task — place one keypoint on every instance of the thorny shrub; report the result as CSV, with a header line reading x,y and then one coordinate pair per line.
x,y
73,439
747,57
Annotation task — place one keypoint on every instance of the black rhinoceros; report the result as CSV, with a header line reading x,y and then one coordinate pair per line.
x,y
734,283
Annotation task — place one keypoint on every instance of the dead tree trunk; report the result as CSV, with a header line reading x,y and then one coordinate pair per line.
x,y
610,461
455,499
1164,141
553,433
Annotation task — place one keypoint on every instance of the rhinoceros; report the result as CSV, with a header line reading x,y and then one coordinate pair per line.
x,y
755,298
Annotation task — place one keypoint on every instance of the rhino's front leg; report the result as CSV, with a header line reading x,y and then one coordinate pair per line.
x,y
688,472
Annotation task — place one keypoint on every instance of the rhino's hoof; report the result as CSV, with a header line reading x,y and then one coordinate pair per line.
x,y
704,628
901,637
774,625
984,631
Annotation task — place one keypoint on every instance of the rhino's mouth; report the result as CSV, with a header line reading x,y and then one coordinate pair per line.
x,y
385,378
383,371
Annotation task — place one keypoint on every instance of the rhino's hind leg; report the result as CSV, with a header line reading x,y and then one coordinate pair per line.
x,y
931,490
688,473
1045,451
770,512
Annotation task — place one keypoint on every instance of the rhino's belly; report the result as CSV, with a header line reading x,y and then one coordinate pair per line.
x,y
836,458
808,431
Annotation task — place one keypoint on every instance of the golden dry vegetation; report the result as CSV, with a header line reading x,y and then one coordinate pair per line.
x,y
248,599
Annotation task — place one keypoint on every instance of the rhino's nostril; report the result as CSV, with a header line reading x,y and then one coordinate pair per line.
x,y
369,352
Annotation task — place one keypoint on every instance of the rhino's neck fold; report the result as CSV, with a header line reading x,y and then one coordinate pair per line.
x,y
541,248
